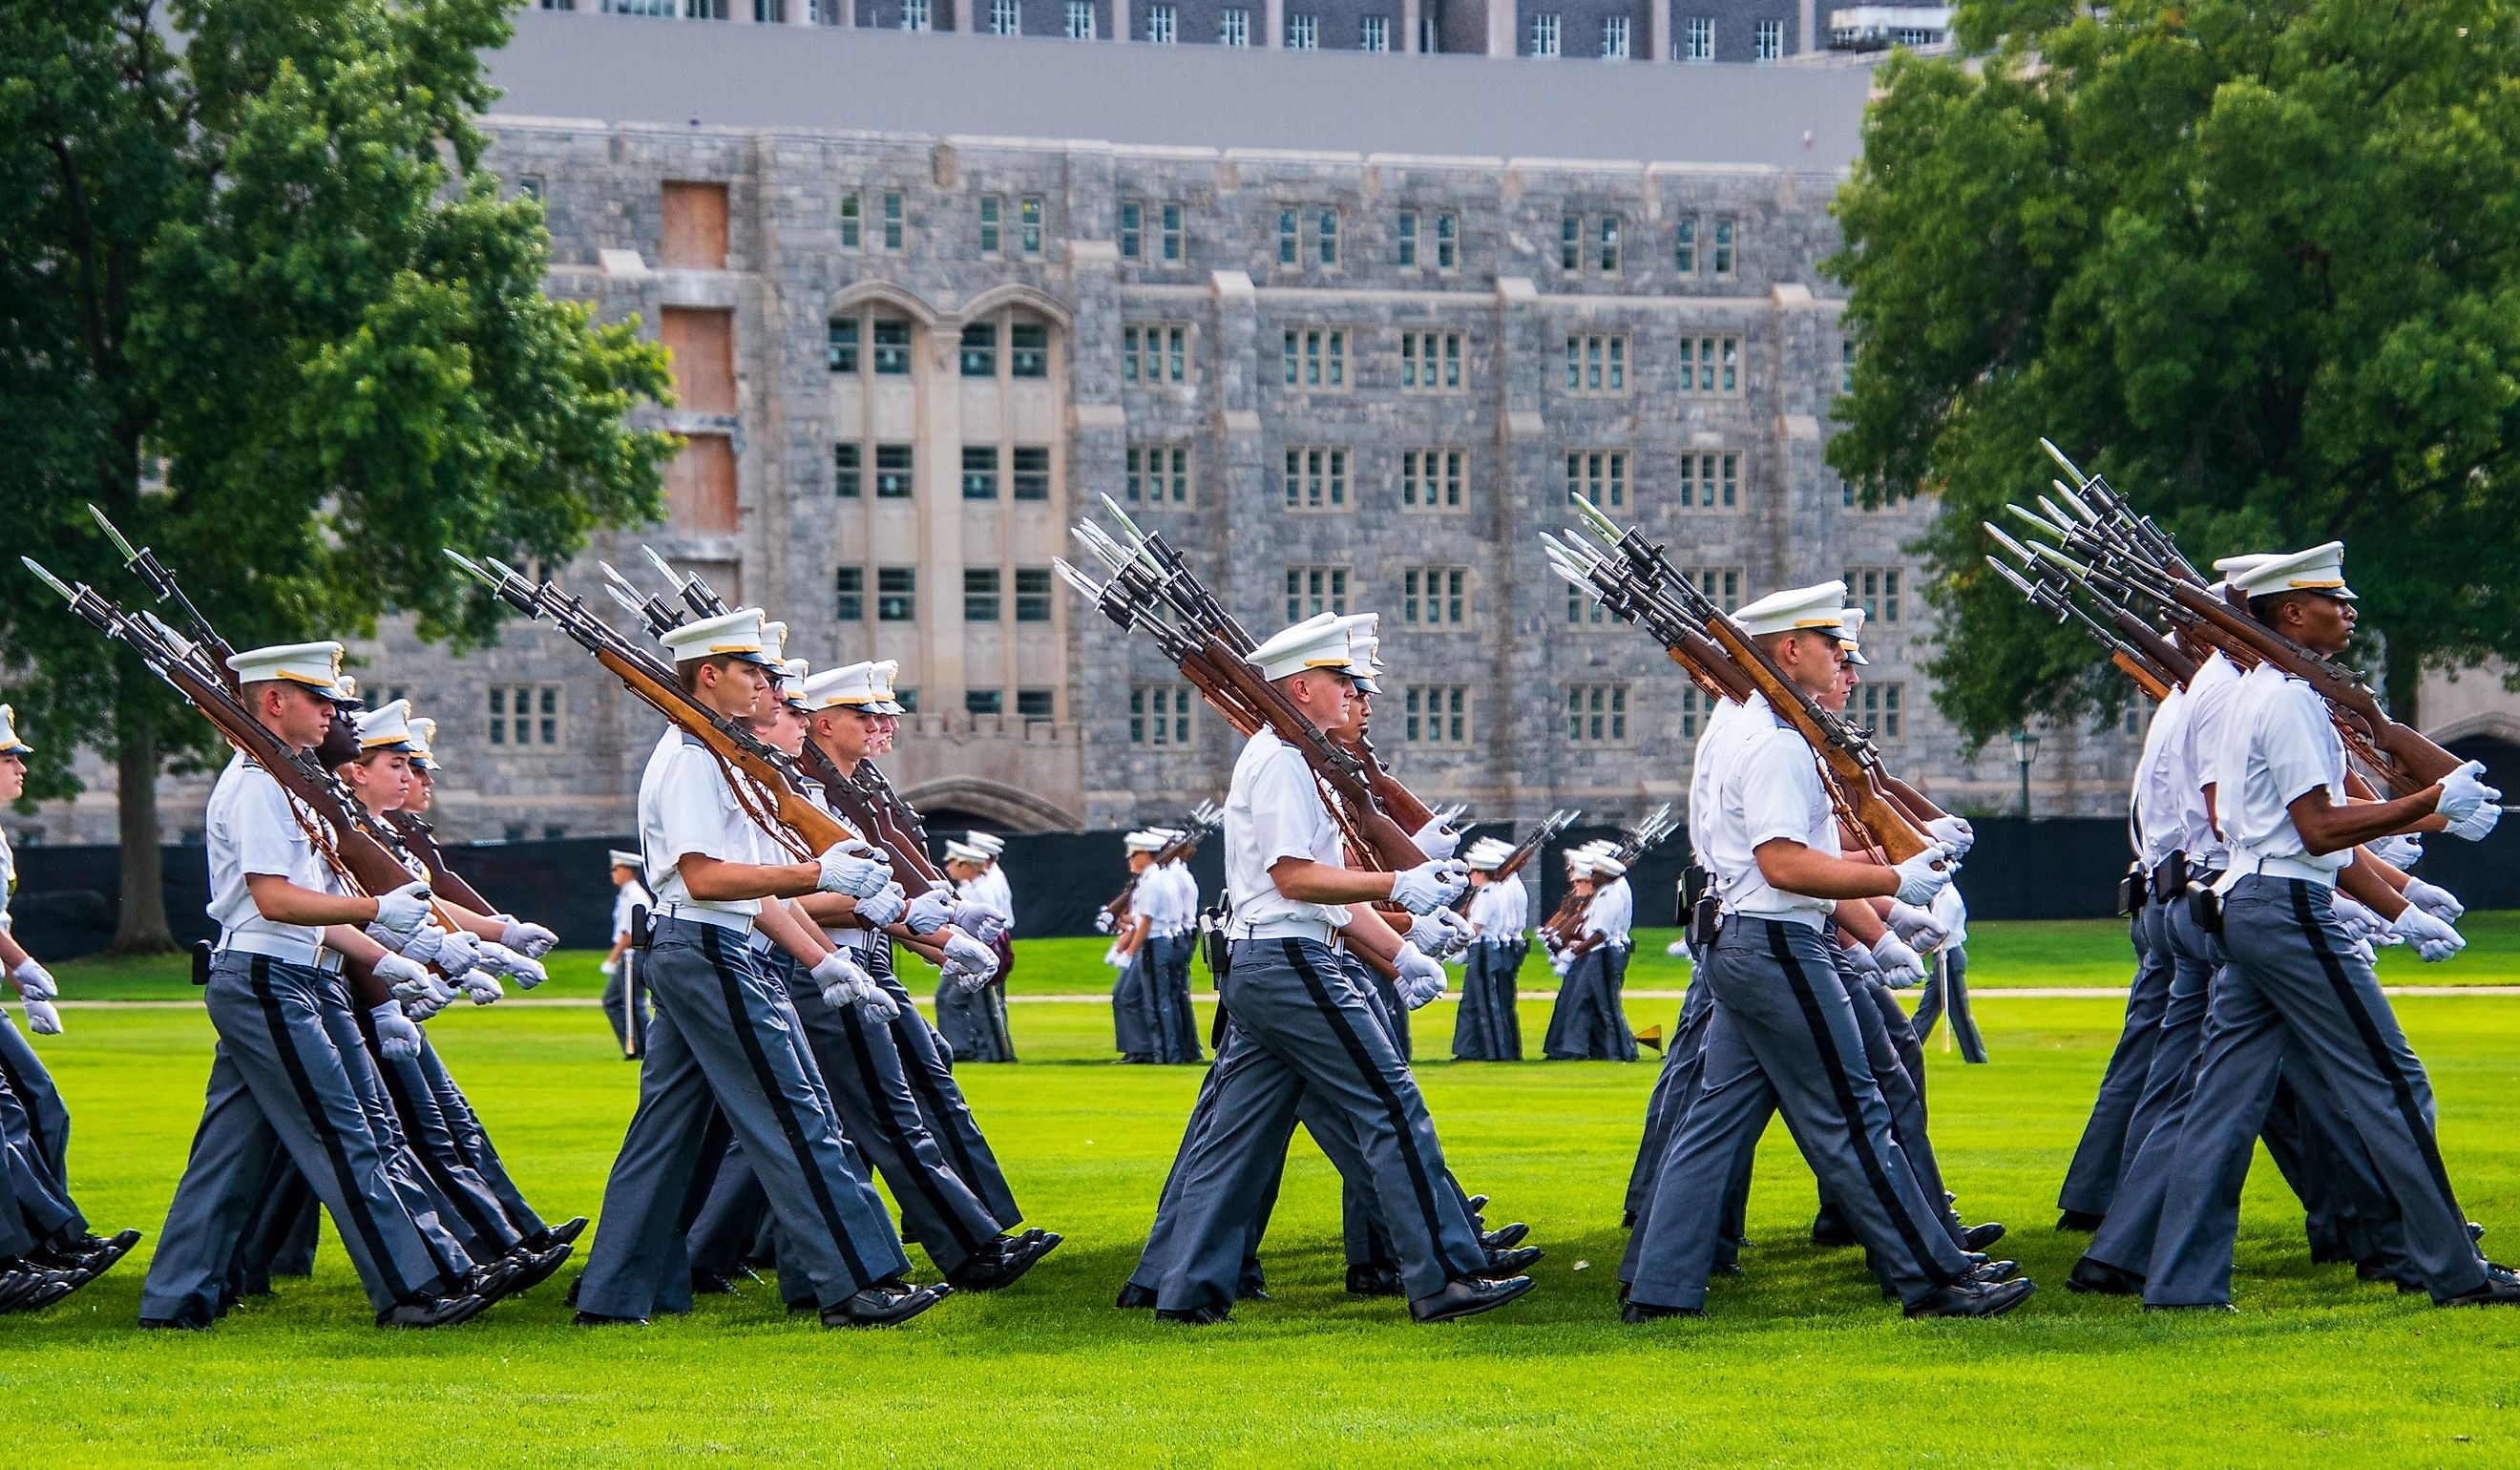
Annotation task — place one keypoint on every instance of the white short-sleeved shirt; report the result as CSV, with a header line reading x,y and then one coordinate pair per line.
x,y
1487,912
1701,774
1613,911
2276,744
1514,900
251,827
992,888
2209,702
1275,809
8,882
1951,911
628,896
1182,896
684,805
1763,785
2159,808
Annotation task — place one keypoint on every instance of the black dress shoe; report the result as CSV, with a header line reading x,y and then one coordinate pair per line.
x,y
534,1268
433,1311
1978,1238
1503,1264
599,1320
489,1281
1724,1267
2475,1233
1477,1202
1193,1316
2078,1220
1000,1263
99,1251
1251,1291
2330,1253
2498,1291
1135,1298
2099,1278
1507,1238
49,1287
708,1283
1993,1271
1638,1314
1375,1278
1832,1232
560,1234
1468,1296
185,1323
880,1307
1970,1299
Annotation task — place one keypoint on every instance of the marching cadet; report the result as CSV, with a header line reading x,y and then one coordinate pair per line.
x,y
629,895
1300,1028
1588,1022
993,889
46,1249
1487,1027
1784,1033
972,1018
2294,985
282,1082
1144,1027
1174,936
725,1043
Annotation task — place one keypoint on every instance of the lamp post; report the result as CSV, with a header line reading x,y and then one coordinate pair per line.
x,y
2025,749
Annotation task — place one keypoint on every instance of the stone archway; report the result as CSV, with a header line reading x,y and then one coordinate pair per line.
x,y
993,806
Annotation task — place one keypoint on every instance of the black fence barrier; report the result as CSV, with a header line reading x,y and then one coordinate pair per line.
x,y
68,897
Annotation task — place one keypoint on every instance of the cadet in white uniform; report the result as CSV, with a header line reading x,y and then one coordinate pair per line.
x,y
629,895
1487,1026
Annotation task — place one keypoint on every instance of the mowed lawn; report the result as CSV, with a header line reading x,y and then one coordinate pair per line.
x,y
1799,1363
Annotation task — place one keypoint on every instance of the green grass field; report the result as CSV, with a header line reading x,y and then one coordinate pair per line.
x,y
1800,1363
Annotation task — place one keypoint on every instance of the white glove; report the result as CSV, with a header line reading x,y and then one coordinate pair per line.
x,y
409,979
1678,948
1442,934
844,982
35,982
2464,790
499,960
607,968
1115,959
2360,922
482,986
42,1017
930,911
978,920
1901,966
1954,832
2362,950
969,956
2400,850
420,944
884,906
397,1037
532,941
1419,979
2434,941
2435,900
1429,885
1920,928
1103,922
403,909
1563,962
2478,824
1859,960
854,869
1436,840
458,951
1919,879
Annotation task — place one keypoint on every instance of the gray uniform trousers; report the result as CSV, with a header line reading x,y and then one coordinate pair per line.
x,y
930,1071
1300,1024
431,1134
974,1022
2091,1180
2293,979
1487,1027
726,1038
1785,1037
279,1083
1137,1029
1180,1014
15,1237
48,1119
1897,1063
473,1146
616,1000
1588,1023
39,1199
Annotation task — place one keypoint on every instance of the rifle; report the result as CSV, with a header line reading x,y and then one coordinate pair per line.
x,y
1540,837
1204,820
1565,923
422,840
2155,670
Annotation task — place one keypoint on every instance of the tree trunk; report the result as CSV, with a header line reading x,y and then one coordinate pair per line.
x,y
142,929
2402,672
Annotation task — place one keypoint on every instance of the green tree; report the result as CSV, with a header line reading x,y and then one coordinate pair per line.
x,y
262,302
2259,263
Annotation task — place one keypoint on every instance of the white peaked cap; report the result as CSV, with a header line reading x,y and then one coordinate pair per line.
x,y
734,634
1169,834
2237,566
1144,842
343,692
386,728
1853,641
2322,568
1320,642
774,639
964,852
863,685
622,858
318,666
987,842
424,740
1605,865
10,744
791,681
1486,856
1365,666
1820,608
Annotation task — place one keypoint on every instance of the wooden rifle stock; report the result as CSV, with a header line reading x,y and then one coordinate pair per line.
x,y
2143,674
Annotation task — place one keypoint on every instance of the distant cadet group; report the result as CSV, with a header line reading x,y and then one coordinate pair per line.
x,y
785,1066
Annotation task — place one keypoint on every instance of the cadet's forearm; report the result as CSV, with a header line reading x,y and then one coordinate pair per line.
x,y
715,882
1857,920
1309,882
2326,827
790,933
1790,865
354,943
12,953
283,901
2362,882
831,910
1368,932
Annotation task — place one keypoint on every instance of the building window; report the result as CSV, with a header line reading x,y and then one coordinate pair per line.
x,y
1036,706
1168,223
892,471
1315,590
1080,20
1316,357
848,588
1303,33
1430,362
1159,715
1029,349
840,354
1316,478
1695,707
1570,242
1132,231
1430,479
979,594
1697,39
1597,364
908,699
1032,472
1846,368
1160,24
1233,26
525,716
980,471
1710,365
1771,42
1599,475
1597,714
891,347
1140,218
1436,714
914,15
1328,235
1614,38
1723,241
1154,354
848,470
1158,474
992,221
1447,242
1374,34
1721,584
1880,709
1710,481
893,222
1028,216
1004,18
1582,610
1684,248
1875,589
1032,595
980,349
896,594
1408,237
1290,248
1544,34
1605,240
1435,597
985,701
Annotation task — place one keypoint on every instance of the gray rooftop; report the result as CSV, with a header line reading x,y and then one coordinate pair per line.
x,y
618,68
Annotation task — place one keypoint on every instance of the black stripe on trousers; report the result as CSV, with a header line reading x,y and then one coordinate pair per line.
x,y
2408,1110
931,1097
1849,1109
801,1148
880,1105
17,1084
449,1191
1420,1183
258,972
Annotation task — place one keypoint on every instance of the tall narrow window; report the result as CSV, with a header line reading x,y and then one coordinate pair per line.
x,y
1684,246
896,594
1544,34
981,350
893,478
1328,234
1133,217
979,594
1031,472
1168,220
851,217
1605,239
1374,34
1723,251
1004,19
893,222
1447,242
1080,20
1771,41
1303,33
980,471
1699,44
840,352
1614,38
914,15
1027,350
848,591
992,208
1406,236
848,471
1233,26
891,347
1032,595
1028,218
1160,24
